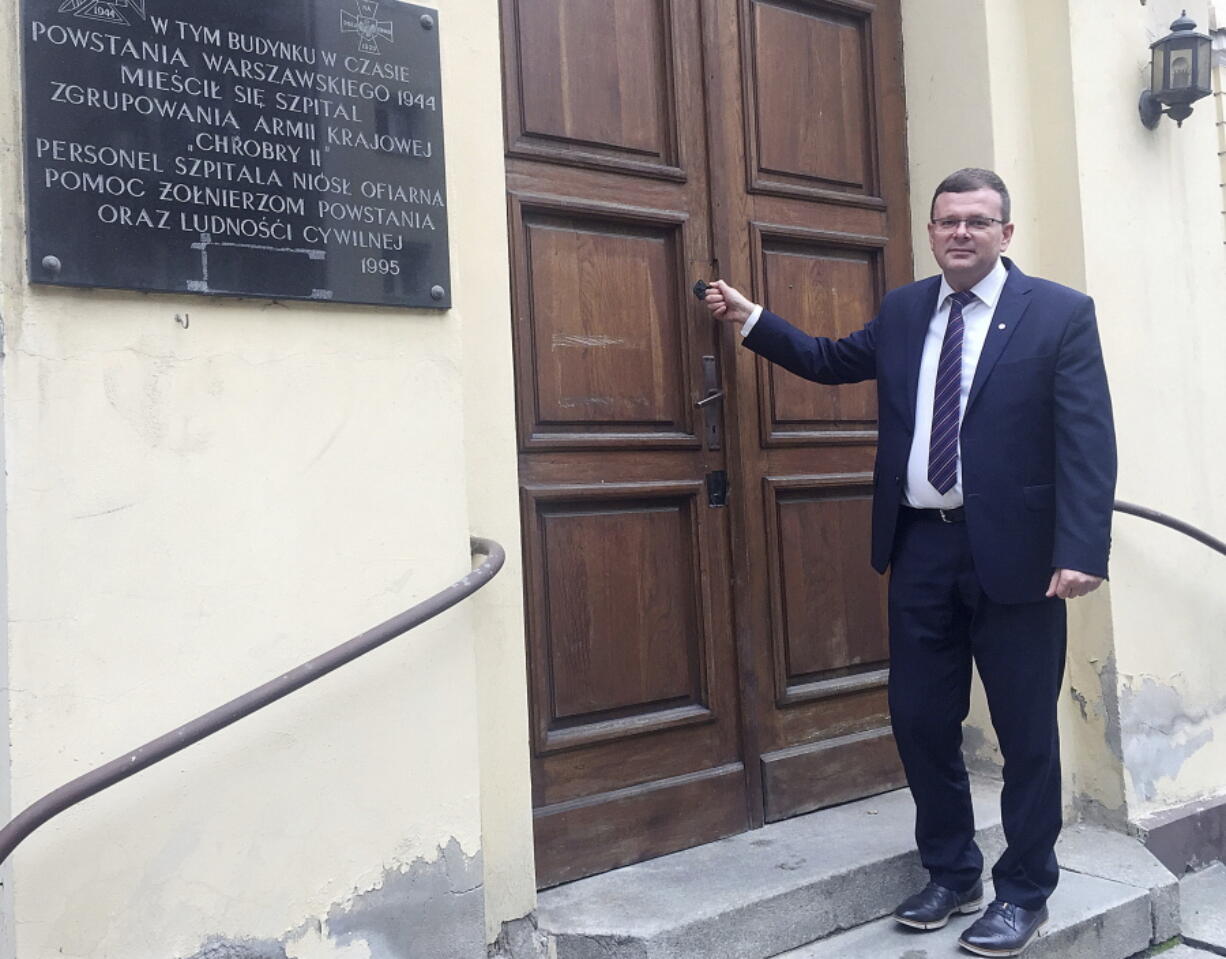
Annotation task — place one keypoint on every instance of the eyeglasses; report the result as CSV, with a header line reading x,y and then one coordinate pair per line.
x,y
976,224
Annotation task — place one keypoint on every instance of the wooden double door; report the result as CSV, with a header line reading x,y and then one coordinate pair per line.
x,y
707,642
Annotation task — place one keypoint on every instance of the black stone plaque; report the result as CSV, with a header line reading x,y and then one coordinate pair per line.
x,y
271,148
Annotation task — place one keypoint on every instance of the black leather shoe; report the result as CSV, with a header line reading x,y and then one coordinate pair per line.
x,y
931,907
1004,930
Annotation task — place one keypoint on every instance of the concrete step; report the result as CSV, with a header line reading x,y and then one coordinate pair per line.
x,y
1090,917
759,893
1203,896
778,890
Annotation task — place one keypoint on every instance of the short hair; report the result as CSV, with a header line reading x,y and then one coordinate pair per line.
x,y
968,180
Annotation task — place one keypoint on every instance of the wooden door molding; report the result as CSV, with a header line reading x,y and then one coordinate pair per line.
x,y
598,832
814,775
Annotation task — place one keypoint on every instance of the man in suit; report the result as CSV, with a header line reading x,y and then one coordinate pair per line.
x,y
992,498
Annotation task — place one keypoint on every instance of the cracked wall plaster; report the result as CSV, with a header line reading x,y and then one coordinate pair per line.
x,y
1100,706
980,751
428,910
1108,677
219,947
1161,732
432,910
522,939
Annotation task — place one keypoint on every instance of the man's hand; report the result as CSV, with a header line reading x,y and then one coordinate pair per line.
x,y
1069,584
726,303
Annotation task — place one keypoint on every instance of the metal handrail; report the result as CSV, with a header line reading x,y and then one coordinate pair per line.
x,y
1171,523
130,763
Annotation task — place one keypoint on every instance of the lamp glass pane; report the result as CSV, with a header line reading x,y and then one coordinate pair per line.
x,y
1181,55
1204,65
1159,80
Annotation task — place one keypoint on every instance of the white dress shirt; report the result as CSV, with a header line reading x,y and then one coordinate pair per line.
x,y
977,320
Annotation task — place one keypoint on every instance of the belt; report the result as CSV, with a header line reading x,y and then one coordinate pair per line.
x,y
955,515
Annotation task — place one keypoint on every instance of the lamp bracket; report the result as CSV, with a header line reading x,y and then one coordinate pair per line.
x,y
1150,109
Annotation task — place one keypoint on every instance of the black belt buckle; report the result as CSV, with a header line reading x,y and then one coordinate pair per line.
x,y
952,516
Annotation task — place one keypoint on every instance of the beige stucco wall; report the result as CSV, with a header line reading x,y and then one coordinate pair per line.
x,y
192,511
491,466
1155,260
1045,92
1218,19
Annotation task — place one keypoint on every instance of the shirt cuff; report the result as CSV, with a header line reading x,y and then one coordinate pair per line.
x,y
748,326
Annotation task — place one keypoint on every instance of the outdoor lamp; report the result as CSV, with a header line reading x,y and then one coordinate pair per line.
x,y
1180,67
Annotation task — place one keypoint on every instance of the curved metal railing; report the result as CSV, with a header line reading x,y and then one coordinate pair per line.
x,y
1171,523
130,763
154,752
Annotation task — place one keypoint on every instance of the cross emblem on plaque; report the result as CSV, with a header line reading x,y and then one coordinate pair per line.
x,y
108,11
369,30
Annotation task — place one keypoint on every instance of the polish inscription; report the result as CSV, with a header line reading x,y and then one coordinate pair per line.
x,y
273,148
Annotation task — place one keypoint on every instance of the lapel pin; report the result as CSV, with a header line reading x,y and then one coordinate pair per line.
x,y
1001,327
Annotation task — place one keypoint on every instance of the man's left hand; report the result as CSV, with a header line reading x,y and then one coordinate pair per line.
x,y
1069,584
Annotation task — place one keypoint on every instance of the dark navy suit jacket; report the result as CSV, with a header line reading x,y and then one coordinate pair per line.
x,y
1038,441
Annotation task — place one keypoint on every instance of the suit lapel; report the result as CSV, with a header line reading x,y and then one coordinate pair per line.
x,y
918,321
1014,298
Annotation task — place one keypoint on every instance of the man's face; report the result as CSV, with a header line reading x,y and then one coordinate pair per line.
x,y
967,255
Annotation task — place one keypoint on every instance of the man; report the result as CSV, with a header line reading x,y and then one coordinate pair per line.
x,y
993,490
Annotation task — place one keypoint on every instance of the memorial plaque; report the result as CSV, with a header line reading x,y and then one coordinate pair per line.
x,y
270,148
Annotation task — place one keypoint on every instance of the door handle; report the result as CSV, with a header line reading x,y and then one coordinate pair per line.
x,y
711,413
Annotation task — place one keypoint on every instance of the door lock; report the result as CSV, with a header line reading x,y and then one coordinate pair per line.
x,y
711,413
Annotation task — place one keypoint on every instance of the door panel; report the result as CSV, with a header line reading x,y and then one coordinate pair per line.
x,y
816,227
625,644
598,84
696,669
828,285
829,618
817,60
635,720
602,373
616,55
815,55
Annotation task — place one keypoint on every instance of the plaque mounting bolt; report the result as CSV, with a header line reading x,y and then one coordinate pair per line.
x,y
52,264
437,292
427,22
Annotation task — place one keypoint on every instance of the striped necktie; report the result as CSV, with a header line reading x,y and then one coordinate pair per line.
x,y
946,401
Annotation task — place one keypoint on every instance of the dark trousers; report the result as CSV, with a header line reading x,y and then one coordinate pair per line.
x,y
939,620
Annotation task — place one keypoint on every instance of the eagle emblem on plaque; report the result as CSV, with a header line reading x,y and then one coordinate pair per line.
x,y
107,11
367,26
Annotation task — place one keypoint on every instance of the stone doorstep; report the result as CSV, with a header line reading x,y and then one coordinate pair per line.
x,y
775,889
758,893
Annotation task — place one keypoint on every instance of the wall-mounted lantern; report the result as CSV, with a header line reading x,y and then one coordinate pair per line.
x,y
1180,73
